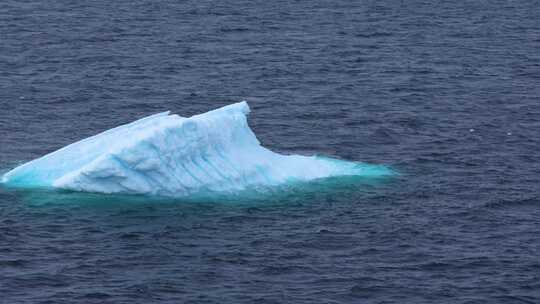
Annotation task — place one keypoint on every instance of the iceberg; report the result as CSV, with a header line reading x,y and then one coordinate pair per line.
x,y
169,155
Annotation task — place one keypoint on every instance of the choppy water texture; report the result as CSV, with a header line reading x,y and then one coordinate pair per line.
x,y
446,93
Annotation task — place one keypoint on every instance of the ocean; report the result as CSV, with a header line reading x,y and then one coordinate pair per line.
x,y
445,93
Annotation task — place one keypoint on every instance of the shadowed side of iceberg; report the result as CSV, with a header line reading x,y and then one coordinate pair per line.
x,y
169,155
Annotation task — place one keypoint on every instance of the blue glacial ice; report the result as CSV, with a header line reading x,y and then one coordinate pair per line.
x,y
169,155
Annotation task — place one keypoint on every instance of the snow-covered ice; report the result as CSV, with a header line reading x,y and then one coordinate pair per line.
x,y
169,155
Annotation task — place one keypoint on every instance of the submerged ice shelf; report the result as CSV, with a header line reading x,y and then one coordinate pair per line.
x,y
169,155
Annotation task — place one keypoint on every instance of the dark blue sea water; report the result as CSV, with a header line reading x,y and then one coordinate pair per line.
x,y
446,93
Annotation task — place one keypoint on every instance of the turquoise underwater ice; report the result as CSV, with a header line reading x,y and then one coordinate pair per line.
x,y
169,155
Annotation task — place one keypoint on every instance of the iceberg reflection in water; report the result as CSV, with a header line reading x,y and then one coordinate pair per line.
x,y
169,155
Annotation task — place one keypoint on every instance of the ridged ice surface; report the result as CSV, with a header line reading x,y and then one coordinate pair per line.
x,y
170,155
